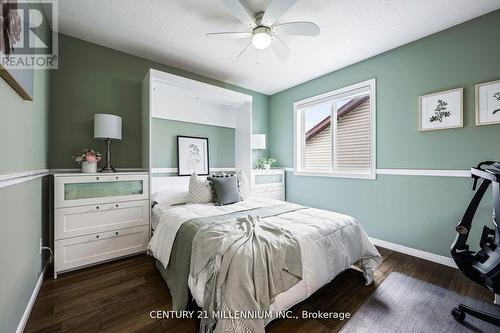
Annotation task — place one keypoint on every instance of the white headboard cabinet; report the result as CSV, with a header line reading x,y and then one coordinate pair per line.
x,y
172,97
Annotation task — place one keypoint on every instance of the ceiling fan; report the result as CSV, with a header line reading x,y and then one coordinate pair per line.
x,y
263,30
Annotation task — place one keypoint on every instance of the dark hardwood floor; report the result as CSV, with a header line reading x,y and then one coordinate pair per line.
x,y
118,296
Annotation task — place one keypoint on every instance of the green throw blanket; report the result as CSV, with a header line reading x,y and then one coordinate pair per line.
x,y
247,262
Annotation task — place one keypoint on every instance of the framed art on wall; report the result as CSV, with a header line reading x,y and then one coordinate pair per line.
x,y
488,103
192,155
442,110
22,79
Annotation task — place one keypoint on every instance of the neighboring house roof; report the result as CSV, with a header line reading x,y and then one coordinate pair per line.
x,y
342,112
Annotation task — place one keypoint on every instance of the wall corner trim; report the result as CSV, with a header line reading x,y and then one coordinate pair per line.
x,y
415,252
31,303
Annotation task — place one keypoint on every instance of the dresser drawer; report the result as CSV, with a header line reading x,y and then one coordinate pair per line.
x,y
97,188
84,220
90,249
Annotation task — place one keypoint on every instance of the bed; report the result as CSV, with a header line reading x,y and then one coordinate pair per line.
x,y
330,243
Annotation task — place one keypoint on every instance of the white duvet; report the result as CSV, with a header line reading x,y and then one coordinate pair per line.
x,y
330,243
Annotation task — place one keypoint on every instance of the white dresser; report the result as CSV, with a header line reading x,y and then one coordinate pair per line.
x,y
98,217
268,183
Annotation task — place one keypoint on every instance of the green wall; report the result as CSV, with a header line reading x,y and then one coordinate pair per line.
x,y
23,206
22,225
415,211
164,142
94,79
23,127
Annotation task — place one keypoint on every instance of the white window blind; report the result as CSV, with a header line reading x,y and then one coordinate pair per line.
x,y
318,150
335,133
352,139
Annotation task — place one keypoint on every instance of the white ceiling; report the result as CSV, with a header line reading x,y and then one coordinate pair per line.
x,y
173,32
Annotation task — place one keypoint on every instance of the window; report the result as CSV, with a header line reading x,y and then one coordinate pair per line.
x,y
335,133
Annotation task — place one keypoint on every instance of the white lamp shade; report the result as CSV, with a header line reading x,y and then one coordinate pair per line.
x,y
258,141
107,126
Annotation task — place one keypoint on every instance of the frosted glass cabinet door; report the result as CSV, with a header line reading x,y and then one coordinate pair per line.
x,y
268,179
74,191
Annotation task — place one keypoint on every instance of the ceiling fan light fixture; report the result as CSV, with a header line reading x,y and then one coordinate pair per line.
x,y
261,37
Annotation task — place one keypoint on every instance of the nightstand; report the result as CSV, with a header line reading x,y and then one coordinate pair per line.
x,y
99,217
268,183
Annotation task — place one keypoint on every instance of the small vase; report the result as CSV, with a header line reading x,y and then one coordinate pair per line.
x,y
267,166
89,167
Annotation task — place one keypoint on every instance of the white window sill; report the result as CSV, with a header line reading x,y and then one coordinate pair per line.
x,y
336,174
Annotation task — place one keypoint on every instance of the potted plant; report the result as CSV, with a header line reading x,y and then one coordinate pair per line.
x,y
88,158
265,163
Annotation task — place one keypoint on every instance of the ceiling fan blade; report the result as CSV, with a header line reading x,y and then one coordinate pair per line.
x,y
280,48
297,28
275,9
240,11
229,35
243,51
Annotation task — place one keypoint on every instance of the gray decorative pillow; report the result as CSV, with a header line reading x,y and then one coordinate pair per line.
x,y
226,190
199,190
216,175
243,185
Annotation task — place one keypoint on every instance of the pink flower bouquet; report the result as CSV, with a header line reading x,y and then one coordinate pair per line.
x,y
87,155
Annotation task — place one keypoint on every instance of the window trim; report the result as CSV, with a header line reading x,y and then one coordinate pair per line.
x,y
298,130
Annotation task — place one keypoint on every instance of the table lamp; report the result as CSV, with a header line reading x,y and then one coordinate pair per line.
x,y
107,127
259,141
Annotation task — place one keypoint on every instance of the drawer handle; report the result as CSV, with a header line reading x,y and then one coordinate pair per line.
x,y
116,205
116,233
97,236
96,207
116,177
96,178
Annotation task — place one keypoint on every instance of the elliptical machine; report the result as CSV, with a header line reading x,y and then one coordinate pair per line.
x,y
483,266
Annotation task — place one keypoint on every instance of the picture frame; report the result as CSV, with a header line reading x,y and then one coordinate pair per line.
x,y
192,155
441,110
21,80
487,102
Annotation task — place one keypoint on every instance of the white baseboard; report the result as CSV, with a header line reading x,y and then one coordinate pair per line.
x,y
414,252
29,307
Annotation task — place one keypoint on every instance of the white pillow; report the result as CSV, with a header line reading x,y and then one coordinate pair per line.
x,y
243,185
200,190
171,196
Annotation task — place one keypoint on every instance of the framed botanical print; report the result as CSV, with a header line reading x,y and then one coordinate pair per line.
x,y
192,155
442,110
488,103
